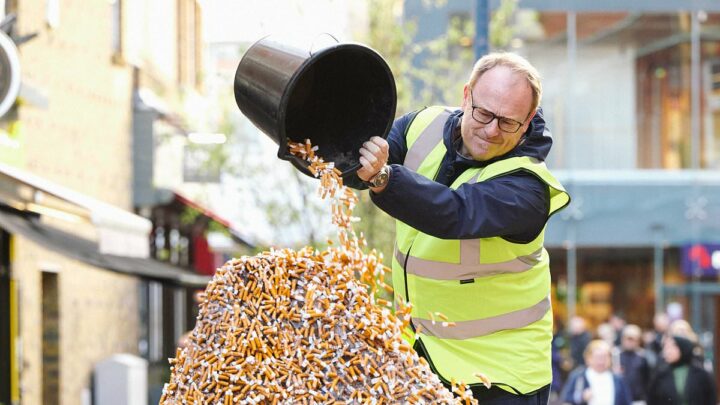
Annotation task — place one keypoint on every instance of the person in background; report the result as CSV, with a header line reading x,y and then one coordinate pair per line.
x,y
661,322
579,339
606,332
618,324
681,381
634,367
681,327
596,384
648,338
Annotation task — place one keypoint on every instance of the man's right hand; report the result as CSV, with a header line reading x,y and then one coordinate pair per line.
x,y
373,156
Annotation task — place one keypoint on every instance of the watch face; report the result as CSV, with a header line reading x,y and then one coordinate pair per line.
x,y
380,179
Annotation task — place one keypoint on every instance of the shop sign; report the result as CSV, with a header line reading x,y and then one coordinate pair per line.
x,y
701,259
9,73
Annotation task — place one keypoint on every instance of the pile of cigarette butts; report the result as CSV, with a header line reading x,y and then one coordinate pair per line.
x,y
304,327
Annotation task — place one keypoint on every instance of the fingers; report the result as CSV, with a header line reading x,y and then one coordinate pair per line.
x,y
366,171
380,143
373,156
376,151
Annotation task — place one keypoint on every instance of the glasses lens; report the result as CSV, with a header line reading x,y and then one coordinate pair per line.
x,y
482,116
509,126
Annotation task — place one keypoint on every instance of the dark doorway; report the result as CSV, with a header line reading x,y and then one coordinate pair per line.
x,y
6,321
50,339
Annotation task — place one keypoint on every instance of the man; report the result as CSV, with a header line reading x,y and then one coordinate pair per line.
x,y
471,196
579,339
633,365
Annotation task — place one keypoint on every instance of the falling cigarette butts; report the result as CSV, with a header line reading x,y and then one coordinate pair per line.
x,y
305,326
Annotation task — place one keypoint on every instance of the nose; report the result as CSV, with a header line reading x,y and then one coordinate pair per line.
x,y
492,129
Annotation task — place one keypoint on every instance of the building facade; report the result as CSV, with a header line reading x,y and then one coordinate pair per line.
x,y
78,281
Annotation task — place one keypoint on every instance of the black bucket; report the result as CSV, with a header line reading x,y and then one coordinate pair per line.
x,y
338,97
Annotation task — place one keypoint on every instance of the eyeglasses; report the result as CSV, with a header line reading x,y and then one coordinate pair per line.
x,y
484,116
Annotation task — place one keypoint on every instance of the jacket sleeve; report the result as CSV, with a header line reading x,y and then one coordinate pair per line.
x,y
398,148
514,206
572,391
623,395
710,393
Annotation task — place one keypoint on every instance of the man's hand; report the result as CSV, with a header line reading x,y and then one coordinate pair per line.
x,y
587,394
373,156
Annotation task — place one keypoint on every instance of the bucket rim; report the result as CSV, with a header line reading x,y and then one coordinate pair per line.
x,y
311,59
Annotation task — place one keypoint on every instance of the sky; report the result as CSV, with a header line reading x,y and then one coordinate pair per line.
x,y
250,20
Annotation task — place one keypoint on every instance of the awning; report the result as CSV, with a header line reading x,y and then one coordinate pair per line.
x,y
237,235
637,208
29,226
120,232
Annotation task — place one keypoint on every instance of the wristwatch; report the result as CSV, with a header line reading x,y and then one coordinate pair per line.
x,y
381,178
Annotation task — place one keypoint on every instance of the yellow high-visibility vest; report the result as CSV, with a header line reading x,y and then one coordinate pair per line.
x,y
495,292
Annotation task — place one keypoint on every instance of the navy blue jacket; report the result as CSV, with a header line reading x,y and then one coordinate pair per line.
x,y
578,382
514,206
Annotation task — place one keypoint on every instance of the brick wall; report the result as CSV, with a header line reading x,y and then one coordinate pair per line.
x,y
82,140
98,316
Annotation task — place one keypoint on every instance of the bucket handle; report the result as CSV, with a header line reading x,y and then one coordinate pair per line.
x,y
312,45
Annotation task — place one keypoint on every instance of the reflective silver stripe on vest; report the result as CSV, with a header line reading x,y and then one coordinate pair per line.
x,y
469,251
486,326
454,271
426,141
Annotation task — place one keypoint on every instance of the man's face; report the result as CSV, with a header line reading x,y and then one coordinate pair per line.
x,y
630,342
507,95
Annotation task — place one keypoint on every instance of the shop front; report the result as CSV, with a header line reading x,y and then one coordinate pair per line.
x,y
77,285
635,243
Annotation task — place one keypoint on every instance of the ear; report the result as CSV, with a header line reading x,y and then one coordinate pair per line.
x,y
466,96
528,121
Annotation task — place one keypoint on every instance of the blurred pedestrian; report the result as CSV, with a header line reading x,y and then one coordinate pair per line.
x,y
648,338
618,323
606,332
681,381
634,367
661,322
596,384
579,339
681,327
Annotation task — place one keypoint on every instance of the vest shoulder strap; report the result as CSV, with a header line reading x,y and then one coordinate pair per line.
x,y
424,133
559,198
421,121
